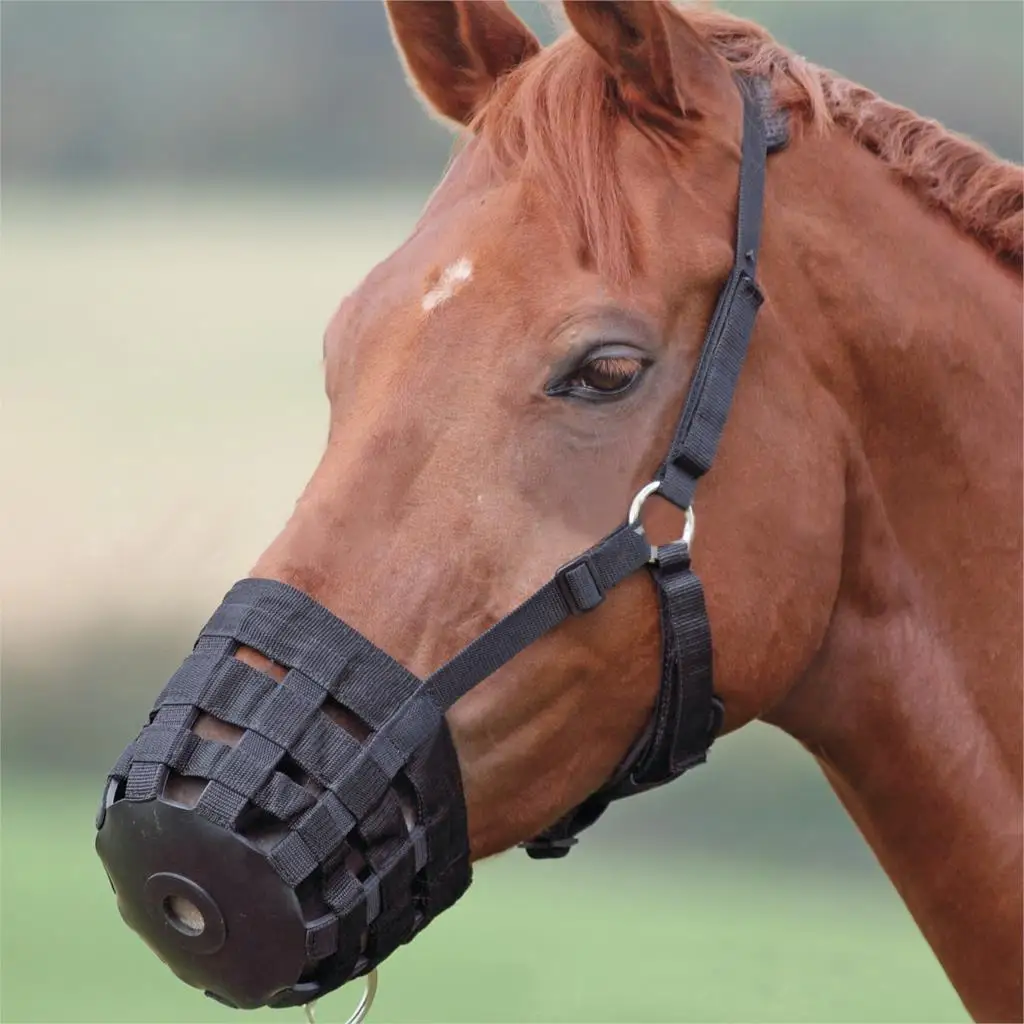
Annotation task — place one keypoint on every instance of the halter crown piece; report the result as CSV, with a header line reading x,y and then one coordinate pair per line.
x,y
311,854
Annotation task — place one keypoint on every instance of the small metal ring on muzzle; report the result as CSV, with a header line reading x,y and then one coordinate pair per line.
x,y
359,1014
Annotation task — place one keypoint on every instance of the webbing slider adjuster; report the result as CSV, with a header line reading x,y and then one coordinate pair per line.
x,y
579,585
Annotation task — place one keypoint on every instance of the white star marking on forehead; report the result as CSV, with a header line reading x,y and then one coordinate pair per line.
x,y
453,277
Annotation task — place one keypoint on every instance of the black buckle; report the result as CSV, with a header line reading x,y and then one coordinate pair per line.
x,y
579,585
716,718
543,847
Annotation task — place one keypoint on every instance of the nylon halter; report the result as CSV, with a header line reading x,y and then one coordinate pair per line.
x,y
311,854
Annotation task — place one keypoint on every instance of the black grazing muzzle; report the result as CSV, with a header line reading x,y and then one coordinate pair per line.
x,y
309,854
315,849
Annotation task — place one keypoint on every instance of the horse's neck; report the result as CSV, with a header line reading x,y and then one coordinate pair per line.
x,y
913,706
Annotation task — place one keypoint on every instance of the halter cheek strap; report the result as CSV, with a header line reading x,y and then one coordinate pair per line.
x,y
688,714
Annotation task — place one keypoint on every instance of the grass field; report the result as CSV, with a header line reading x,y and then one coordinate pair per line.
x,y
582,940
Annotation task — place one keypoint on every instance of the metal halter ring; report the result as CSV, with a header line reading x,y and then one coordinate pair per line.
x,y
360,1012
637,506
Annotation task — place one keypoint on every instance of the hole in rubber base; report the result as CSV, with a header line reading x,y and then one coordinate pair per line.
x,y
184,916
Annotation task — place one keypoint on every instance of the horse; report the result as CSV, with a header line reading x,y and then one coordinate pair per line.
x,y
506,380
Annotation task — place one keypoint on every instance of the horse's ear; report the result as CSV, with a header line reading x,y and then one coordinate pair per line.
x,y
656,56
455,50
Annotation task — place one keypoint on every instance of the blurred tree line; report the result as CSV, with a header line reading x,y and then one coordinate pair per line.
x,y
283,91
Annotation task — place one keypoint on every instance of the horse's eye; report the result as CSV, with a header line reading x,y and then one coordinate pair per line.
x,y
605,374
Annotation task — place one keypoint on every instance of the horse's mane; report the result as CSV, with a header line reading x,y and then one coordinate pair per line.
x,y
556,115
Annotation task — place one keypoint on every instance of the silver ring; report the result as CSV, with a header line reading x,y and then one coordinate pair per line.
x,y
360,1012
636,507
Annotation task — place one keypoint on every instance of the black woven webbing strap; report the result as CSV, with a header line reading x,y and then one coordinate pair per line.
x,y
579,586
728,335
688,715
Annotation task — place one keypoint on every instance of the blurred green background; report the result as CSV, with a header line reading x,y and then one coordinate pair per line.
x,y
188,191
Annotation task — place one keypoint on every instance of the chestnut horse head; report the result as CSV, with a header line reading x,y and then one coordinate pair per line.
x,y
505,382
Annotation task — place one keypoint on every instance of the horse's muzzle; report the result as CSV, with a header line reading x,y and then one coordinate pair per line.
x,y
302,855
